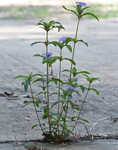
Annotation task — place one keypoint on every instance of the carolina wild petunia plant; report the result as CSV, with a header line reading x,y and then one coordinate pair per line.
x,y
58,114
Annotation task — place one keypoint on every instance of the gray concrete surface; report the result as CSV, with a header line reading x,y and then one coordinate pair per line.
x,y
98,145
100,58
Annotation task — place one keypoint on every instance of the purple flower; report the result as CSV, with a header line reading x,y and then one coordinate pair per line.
x,y
83,4
62,39
70,88
45,55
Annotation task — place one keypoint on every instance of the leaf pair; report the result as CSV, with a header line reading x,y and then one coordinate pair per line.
x,y
75,72
81,12
47,26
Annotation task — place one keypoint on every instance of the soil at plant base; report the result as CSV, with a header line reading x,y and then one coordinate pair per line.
x,y
100,58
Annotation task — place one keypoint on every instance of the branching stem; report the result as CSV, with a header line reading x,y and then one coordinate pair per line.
x,y
74,46
33,99
82,105
84,100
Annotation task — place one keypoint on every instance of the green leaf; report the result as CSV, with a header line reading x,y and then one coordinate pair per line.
x,y
39,42
85,8
34,126
45,114
70,39
70,60
78,9
37,74
84,120
55,24
95,90
91,80
64,108
38,55
74,69
53,123
66,70
56,43
21,76
83,72
27,80
37,80
55,80
73,119
74,106
83,42
26,84
69,48
37,103
83,89
47,26
90,14
30,76
70,10
53,60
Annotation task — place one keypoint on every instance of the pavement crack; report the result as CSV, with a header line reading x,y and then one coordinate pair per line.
x,y
84,138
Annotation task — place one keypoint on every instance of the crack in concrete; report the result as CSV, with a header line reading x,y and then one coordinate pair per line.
x,y
84,138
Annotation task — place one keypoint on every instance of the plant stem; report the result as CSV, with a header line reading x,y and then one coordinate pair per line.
x,y
47,83
60,65
33,99
84,100
73,52
66,112
60,115
82,106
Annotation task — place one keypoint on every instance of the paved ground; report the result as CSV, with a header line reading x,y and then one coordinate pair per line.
x,y
100,58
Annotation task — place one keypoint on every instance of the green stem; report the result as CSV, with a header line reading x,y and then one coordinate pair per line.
x,y
73,54
33,99
66,112
47,83
44,94
60,65
74,46
84,100
60,115
82,106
